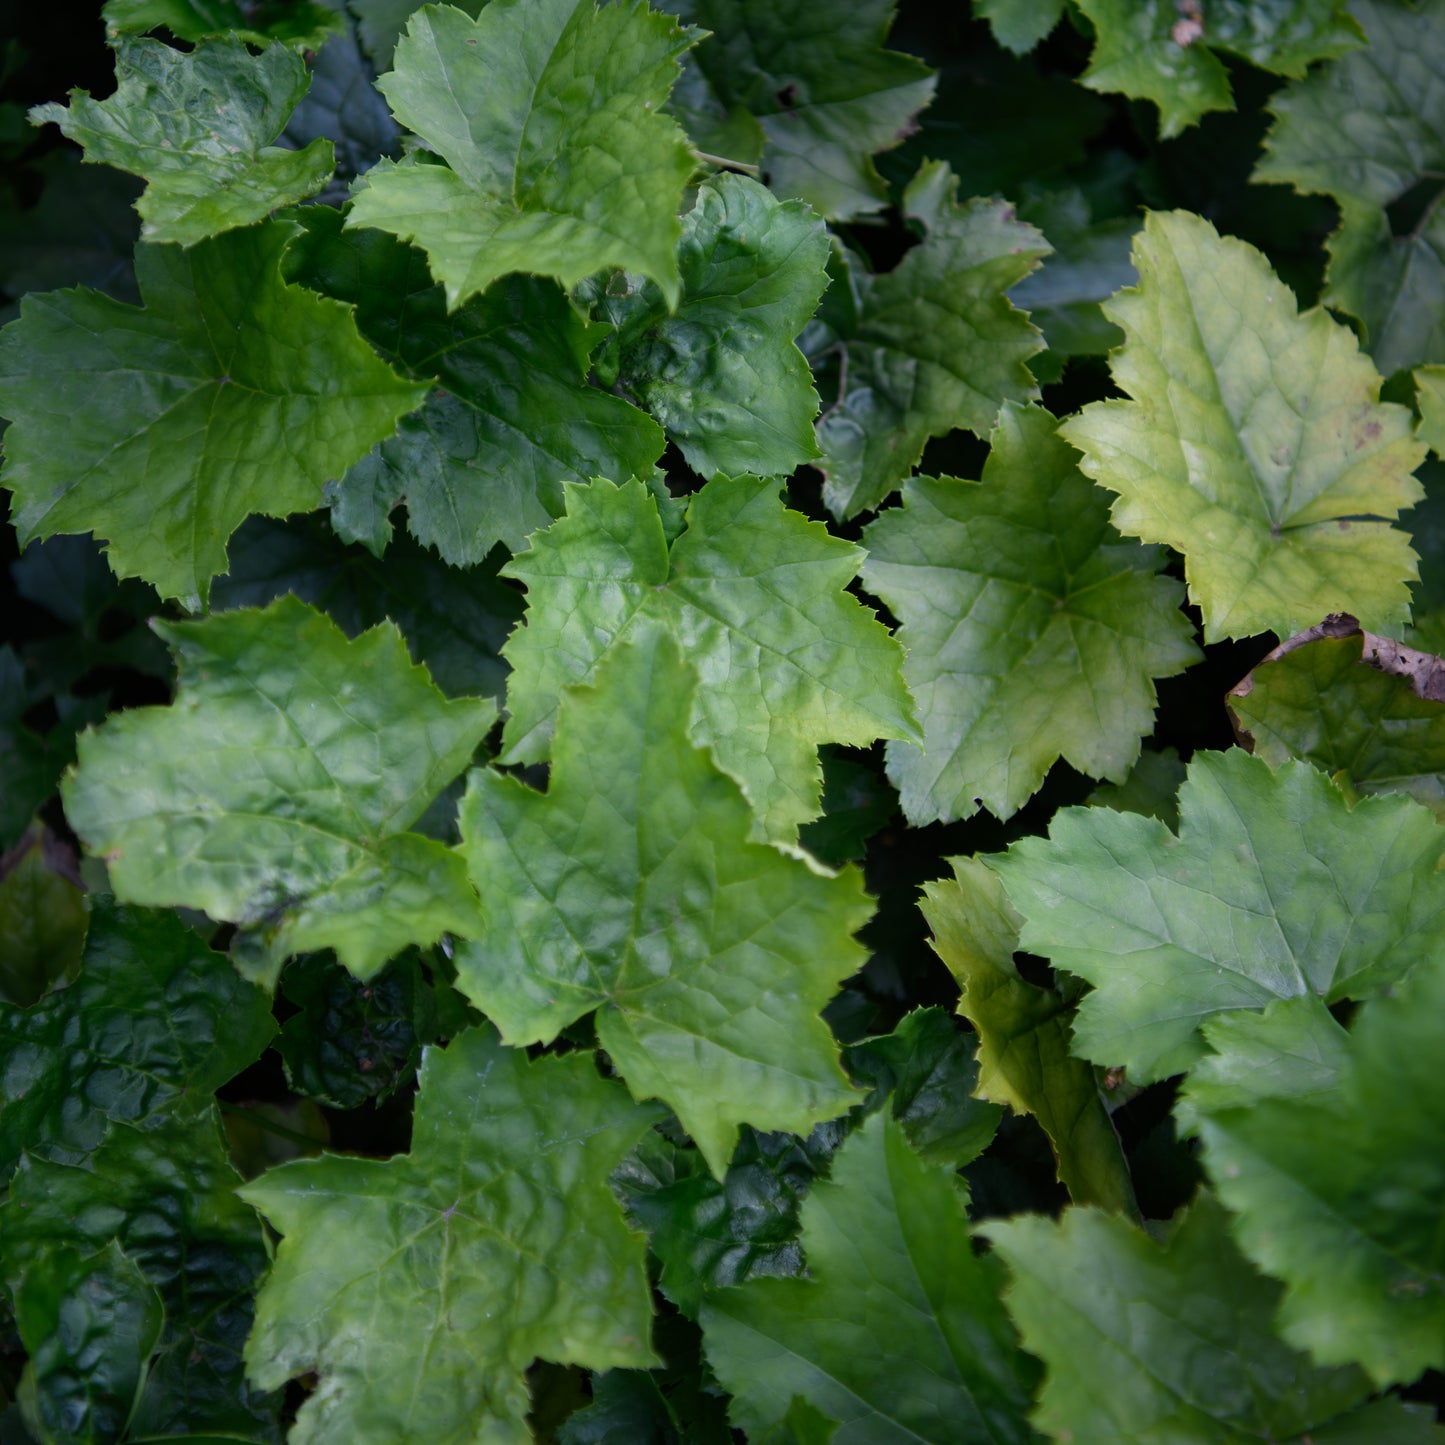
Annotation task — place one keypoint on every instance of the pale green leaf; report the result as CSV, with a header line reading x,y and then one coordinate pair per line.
x,y
897,1333
42,917
1019,25
152,1026
932,345
199,128
277,790
1031,631
302,24
162,429
1339,1194
819,87
1255,442
1430,398
420,1288
1274,887
754,595
1023,1035
1166,1343
1369,130
560,160
722,373
631,888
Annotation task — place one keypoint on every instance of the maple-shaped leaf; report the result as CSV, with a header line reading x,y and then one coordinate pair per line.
x,y
1255,441
153,1024
301,24
722,373
166,1197
276,791
1024,1059
1163,51
1361,708
897,1333
1273,887
1160,1341
1339,1194
817,85
161,429
708,957
43,917
932,345
753,593
493,1241
511,417
545,173
1031,630
198,128
1369,131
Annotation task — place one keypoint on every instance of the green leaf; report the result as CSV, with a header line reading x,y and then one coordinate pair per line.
x,y
721,373
162,429
382,22
804,1424
493,1241
302,24
1339,1194
276,791
198,129
708,957
1031,631
1359,707
1019,25
857,803
932,345
42,918
510,417
545,173
897,1333
1274,887
1383,1422
165,1197
1024,1035
1254,442
153,1025
1369,130
27,768
754,595
1430,398
90,1324
819,85
1152,788
1159,1342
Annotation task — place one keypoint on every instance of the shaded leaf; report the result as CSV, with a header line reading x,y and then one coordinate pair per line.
x,y
1031,630
1152,788
42,917
626,1407
543,175
1019,25
277,790
753,594
1274,887
494,1240
162,429
302,24
1254,441
857,802
28,769
1430,398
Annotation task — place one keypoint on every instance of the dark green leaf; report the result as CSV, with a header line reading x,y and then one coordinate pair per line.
x,y
42,918
857,802
302,24
627,1409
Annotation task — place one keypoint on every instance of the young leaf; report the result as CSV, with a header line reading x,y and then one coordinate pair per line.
x,y
42,919
1369,130
897,1333
198,129
1031,631
511,417
276,791
560,160
152,1026
1338,1194
709,957
165,1197
1274,887
722,373
932,345
1156,1342
1353,704
754,595
301,24
1023,1035
1254,442
493,1241
818,85
162,429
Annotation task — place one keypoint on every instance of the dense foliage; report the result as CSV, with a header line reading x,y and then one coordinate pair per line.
x,y
722,722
